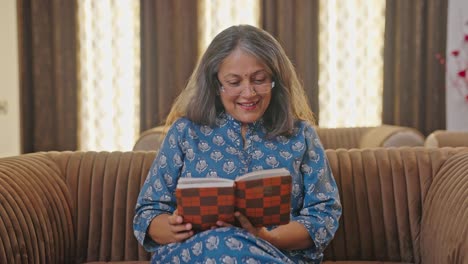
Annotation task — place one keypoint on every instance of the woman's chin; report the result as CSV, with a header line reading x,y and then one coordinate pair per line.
x,y
248,119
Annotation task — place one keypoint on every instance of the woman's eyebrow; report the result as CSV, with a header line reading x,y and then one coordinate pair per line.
x,y
240,75
231,75
259,72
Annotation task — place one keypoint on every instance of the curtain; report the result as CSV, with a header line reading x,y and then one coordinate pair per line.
x,y
414,80
169,47
217,15
295,25
109,74
351,40
47,46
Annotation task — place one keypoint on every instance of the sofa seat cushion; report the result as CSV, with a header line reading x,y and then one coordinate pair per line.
x,y
363,262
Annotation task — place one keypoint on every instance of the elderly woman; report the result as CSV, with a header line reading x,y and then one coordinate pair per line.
x,y
243,102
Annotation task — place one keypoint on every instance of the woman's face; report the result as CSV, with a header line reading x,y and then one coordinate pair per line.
x,y
244,79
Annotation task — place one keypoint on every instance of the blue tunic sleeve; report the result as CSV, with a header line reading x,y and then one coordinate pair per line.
x,y
321,207
157,193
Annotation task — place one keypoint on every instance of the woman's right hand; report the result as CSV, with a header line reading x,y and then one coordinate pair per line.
x,y
165,229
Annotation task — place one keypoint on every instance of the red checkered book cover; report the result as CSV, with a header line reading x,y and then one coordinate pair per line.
x,y
263,196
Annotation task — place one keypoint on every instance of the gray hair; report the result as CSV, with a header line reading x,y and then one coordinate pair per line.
x,y
200,100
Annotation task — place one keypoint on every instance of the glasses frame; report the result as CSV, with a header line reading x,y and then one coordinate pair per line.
x,y
252,89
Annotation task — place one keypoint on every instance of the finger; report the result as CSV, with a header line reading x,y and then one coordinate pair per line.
x,y
183,236
181,228
222,224
244,221
175,219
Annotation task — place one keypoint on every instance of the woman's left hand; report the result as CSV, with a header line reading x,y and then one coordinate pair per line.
x,y
260,232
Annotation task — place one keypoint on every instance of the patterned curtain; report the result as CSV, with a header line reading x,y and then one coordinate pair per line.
x,y
217,15
351,62
109,74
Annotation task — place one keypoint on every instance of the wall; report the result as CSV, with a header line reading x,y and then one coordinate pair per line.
x,y
9,74
457,87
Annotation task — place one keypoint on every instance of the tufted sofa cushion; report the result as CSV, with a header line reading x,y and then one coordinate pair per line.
x,y
70,207
400,205
444,232
383,192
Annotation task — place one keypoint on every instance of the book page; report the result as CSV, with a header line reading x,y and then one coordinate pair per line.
x,y
185,183
261,174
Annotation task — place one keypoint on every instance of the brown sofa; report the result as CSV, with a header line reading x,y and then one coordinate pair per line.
x,y
446,138
332,138
370,137
402,205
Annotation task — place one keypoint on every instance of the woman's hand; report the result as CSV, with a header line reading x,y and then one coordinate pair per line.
x,y
260,232
165,229
291,236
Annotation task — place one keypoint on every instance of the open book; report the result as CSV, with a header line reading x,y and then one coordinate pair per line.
x,y
264,197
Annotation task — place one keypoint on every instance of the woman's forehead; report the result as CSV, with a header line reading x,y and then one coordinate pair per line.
x,y
242,64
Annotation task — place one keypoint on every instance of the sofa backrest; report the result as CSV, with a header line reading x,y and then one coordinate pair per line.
x,y
382,193
70,207
151,139
74,207
343,137
104,187
331,138
36,215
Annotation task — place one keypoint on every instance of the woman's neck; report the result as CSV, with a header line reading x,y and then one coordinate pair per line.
x,y
244,127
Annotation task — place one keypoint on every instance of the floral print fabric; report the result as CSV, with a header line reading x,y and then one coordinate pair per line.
x,y
191,150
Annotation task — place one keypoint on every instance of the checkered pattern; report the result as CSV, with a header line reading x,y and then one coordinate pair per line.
x,y
204,206
265,201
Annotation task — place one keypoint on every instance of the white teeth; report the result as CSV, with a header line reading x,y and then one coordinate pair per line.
x,y
251,104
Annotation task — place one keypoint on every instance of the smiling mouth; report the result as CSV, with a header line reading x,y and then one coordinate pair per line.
x,y
252,104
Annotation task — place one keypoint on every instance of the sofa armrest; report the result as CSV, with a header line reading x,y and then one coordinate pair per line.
x,y
391,136
444,225
35,218
445,138
341,137
151,139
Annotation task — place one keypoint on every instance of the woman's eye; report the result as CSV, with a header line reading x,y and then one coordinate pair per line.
x,y
259,81
233,83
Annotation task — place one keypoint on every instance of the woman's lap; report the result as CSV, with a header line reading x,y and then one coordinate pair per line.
x,y
220,245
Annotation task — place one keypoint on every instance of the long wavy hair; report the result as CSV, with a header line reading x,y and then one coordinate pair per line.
x,y
200,101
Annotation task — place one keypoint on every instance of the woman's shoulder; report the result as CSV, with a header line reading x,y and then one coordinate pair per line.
x,y
180,125
305,129
304,125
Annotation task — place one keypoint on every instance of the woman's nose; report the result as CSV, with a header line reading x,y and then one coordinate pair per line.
x,y
250,90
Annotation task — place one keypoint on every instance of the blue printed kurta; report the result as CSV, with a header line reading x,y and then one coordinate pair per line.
x,y
191,150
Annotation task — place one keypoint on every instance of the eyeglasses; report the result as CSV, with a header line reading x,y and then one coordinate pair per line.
x,y
256,88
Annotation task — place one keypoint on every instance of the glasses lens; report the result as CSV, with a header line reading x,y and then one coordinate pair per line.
x,y
263,88
258,88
